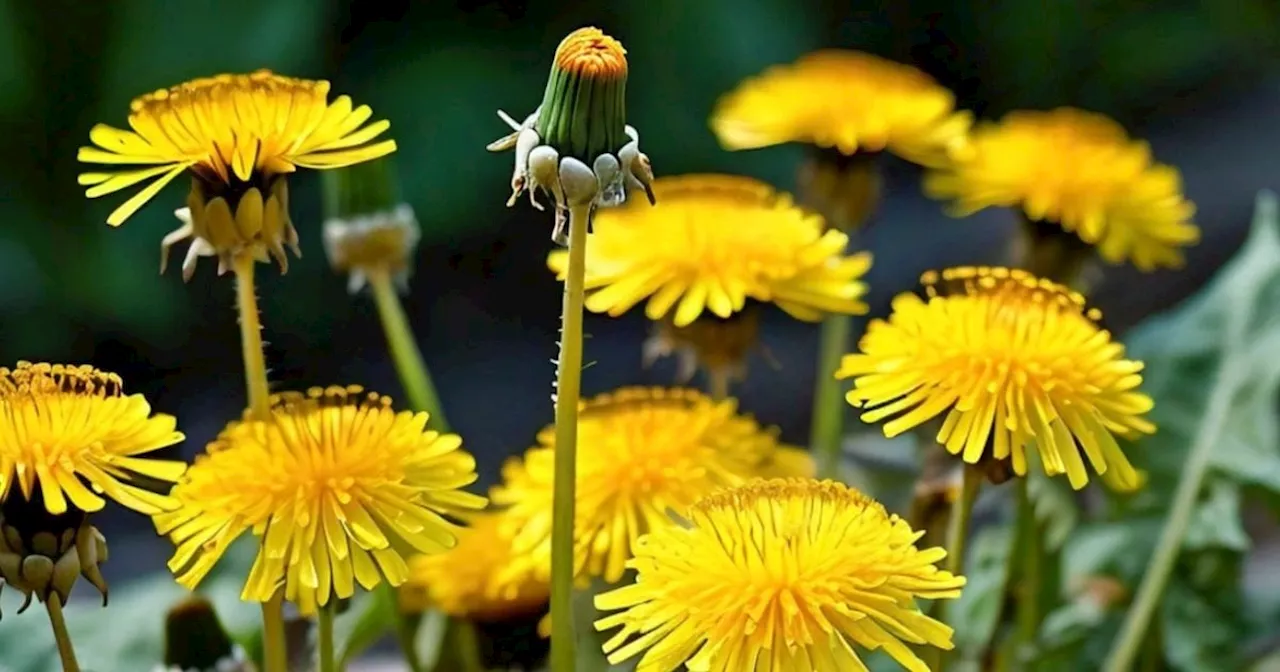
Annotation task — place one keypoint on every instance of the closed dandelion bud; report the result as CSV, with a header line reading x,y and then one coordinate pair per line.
x,y
195,641
576,147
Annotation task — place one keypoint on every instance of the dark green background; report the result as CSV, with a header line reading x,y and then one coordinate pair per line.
x,y
1197,78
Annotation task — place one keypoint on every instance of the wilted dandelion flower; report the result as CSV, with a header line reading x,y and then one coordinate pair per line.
x,y
238,136
1014,361
1082,172
475,579
338,487
788,575
643,452
711,243
846,100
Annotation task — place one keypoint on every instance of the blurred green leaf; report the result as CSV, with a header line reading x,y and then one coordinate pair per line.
x,y
1054,504
369,617
976,614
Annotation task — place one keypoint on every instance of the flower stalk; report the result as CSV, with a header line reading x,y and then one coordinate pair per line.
x,y
66,651
275,654
419,389
568,393
324,639
828,401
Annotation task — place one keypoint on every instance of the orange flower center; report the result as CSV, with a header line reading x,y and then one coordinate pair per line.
x,y
588,52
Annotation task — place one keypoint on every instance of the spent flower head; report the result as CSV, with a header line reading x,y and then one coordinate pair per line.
x,y
238,136
644,452
339,489
576,146
379,243
1080,171
788,575
1017,363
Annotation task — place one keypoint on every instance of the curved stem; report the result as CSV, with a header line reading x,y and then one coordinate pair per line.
x,y
275,656
66,651
415,378
1129,642
826,432
324,638
568,391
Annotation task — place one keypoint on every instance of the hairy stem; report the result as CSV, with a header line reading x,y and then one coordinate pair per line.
x,y
568,392
275,656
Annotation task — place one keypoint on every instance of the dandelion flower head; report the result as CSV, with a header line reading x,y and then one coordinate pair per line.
x,y
1081,171
788,575
338,487
1015,362
642,453
71,433
710,243
475,579
848,100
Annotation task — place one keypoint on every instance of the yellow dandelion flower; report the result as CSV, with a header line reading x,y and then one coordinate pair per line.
x,y
788,575
847,100
473,579
238,136
711,243
71,433
1015,361
338,487
642,453
1081,171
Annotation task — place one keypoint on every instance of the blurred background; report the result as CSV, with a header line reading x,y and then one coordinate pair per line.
x,y
1198,78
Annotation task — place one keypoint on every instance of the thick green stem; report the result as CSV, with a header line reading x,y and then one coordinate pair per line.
x,y
957,536
66,652
718,385
1030,555
415,378
1132,633
826,432
324,639
568,392
275,656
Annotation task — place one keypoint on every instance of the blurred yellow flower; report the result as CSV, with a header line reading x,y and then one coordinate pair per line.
x,y
643,452
1015,361
1081,171
337,486
711,243
848,100
71,433
238,136
787,575
474,579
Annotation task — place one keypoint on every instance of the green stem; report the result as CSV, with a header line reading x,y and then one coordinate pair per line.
x,y
568,389
415,378
275,655
718,385
957,536
1028,581
826,432
66,652
324,639
1133,630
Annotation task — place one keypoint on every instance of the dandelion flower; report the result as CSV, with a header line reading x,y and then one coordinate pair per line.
x,y
238,136
1082,172
642,453
1015,361
788,575
711,243
337,486
474,579
73,434
846,100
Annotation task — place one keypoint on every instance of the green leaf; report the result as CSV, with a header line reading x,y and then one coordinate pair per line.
x,y
976,614
1054,504
368,618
